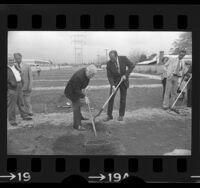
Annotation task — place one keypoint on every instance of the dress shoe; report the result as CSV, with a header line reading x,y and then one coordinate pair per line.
x,y
27,118
108,118
84,118
165,108
175,110
120,118
30,114
80,128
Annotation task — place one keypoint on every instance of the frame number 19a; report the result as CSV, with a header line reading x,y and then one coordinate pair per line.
x,y
117,177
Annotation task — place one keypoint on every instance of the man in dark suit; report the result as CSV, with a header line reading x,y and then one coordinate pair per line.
x,y
118,67
74,91
14,93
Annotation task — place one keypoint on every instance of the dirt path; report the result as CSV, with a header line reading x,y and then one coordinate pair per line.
x,y
145,131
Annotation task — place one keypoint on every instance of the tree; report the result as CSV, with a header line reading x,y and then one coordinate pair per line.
x,y
137,56
183,42
143,57
152,56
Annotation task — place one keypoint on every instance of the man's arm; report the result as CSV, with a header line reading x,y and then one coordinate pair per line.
x,y
130,66
76,88
8,79
30,78
109,75
10,82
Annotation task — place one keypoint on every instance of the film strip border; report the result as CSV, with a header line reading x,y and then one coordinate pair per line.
x,y
99,17
107,18
57,169
85,22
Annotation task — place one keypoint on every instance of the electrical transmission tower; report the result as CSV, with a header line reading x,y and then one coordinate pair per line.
x,y
78,40
106,54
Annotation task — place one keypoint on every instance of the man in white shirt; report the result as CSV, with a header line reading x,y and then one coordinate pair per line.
x,y
164,76
14,93
173,73
27,78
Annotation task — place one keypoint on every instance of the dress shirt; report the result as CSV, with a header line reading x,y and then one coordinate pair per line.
x,y
174,66
117,64
16,73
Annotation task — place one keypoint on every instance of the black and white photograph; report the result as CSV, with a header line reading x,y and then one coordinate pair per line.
x,y
99,93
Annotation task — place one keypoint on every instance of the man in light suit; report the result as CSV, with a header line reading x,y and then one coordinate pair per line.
x,y
174,67
14,93
27,77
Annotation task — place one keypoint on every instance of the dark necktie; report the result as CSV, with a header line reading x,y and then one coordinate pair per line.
x,y
178,67
116,64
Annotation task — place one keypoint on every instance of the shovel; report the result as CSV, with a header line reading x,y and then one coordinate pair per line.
x,y
107,101
92,120
91,117
93,145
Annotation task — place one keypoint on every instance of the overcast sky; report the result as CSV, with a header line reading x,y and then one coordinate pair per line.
x,y
58,47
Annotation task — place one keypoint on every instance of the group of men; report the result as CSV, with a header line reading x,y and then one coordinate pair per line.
x,y
175,70
19,87
118,67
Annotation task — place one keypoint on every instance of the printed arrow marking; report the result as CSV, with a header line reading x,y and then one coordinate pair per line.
x,y
11,176
101,177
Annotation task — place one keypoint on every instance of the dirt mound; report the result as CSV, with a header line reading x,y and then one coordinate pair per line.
x,y
146,131
69,144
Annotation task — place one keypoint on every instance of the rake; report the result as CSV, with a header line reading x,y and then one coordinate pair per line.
x,y
91,116
181,92
94,144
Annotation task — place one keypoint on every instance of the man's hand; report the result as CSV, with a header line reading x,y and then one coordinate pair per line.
x,y
29,90
123,77
82,101
113,88
87,101
84,91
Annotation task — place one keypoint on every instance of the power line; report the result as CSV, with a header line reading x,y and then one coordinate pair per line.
x,y
106,54
78,40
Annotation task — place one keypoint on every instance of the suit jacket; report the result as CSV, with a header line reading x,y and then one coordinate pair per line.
x,y
77,82
11,80
171,66
114,76
27,77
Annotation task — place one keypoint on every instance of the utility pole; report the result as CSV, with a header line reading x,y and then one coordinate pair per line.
x,y
98,59
78,40
106,54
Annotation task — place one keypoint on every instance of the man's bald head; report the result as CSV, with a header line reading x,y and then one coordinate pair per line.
x,y
91,70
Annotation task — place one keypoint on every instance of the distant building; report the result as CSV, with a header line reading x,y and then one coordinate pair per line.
x,y
149,62
158,59
34,62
